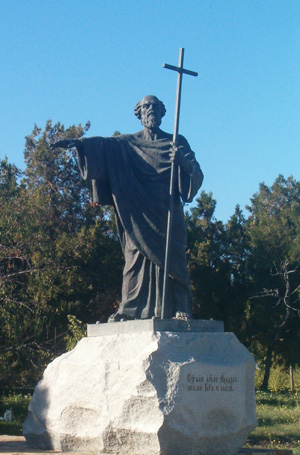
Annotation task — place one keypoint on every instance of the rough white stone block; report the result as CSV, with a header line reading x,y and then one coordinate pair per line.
x,y
159,393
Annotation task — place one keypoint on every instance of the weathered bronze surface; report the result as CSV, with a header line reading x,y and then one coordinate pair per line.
x,y
132,173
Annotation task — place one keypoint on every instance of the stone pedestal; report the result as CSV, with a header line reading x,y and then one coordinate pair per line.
x,y
147,391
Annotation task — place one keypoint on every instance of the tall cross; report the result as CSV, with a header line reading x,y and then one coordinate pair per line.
x,y
180,70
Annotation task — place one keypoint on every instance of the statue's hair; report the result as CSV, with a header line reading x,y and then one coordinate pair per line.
x,y
137,109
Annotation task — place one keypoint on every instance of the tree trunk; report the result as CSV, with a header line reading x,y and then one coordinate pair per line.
x,y
292,378
268,365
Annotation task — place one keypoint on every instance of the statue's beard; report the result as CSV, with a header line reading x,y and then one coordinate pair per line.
x,y
151,122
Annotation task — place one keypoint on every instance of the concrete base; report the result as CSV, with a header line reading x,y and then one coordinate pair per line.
x,y
155,325
146,393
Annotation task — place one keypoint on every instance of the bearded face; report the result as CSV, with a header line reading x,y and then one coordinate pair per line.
x,y
151,114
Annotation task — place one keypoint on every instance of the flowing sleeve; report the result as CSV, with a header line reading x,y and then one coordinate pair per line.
x,y
189,182
93,166
92,158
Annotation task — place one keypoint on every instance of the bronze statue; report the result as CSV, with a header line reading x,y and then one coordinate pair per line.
x,y
132,173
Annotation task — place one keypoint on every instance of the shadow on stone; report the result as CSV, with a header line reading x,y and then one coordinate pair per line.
x,y
37,419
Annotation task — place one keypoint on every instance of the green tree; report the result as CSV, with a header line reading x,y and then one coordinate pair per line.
x,y
238,251
209,268
274,230
62,255
15,269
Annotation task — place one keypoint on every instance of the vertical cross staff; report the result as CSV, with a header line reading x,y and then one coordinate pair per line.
x,y
180,71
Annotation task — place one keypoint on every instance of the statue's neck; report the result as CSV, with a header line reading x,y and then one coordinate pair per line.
x,y
152,134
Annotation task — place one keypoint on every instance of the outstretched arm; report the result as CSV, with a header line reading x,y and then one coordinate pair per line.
x,y
67,143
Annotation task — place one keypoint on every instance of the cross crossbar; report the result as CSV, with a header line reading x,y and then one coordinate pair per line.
x,y
180,71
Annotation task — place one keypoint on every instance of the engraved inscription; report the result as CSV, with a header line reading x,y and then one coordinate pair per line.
x,y
211,383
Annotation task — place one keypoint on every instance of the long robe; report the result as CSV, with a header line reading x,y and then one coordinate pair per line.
x,y
133,175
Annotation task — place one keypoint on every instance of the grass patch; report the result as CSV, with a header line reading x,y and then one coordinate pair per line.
x,y
18,404
278,417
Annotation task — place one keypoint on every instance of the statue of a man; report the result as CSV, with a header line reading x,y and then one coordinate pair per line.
x,y
132,173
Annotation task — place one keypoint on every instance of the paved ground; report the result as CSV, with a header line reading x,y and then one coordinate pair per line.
x,y
16,445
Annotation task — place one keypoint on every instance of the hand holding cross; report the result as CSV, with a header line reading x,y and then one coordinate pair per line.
x,y
177,156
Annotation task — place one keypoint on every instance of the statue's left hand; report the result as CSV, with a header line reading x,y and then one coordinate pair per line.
x,y
66,143
177,155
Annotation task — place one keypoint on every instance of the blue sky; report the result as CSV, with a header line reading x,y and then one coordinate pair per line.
x,y
74,61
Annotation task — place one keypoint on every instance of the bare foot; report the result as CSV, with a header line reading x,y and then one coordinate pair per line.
x,y
117,317
182,315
